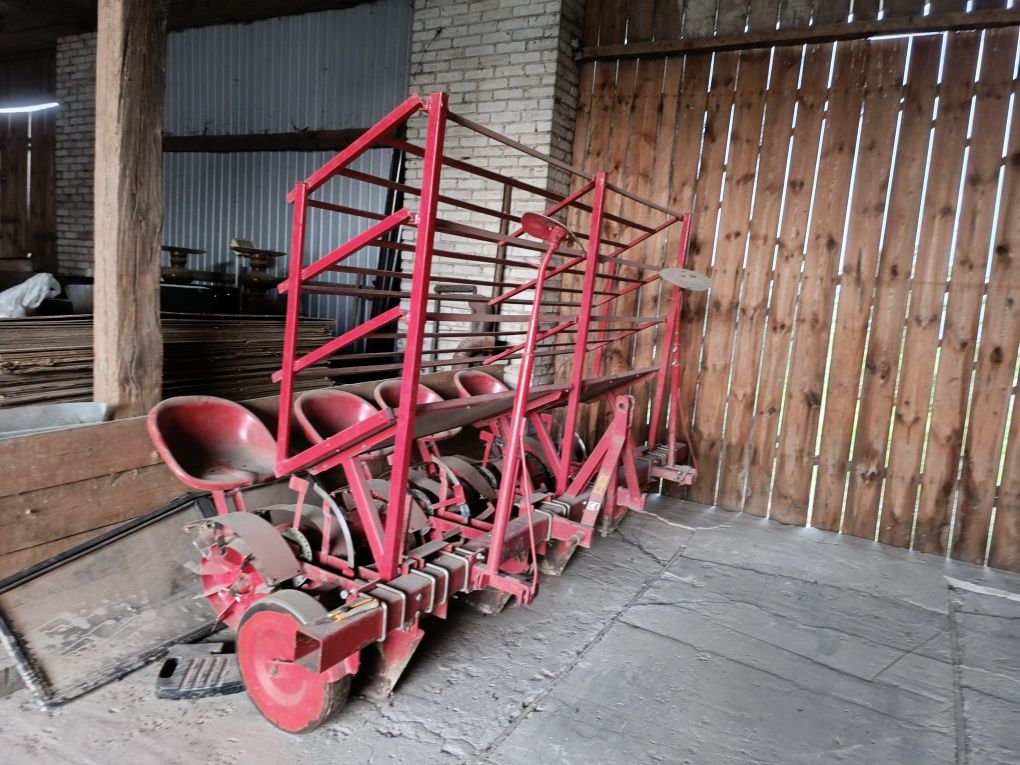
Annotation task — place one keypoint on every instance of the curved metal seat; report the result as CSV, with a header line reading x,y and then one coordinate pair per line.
x,y
327,411
471,382
212,444
387,394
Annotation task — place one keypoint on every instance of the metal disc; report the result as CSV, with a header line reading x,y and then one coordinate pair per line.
x,y
541,226
686,279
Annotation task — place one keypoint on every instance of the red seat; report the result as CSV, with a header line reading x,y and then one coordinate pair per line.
x,y
471,382
212,444
387,394
325,412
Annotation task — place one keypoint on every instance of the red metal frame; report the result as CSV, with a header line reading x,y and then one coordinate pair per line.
x,y
549,496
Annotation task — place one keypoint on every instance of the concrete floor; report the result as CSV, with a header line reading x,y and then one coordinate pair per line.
x,y
690,636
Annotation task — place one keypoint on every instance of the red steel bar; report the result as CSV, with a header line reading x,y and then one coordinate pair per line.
x,y
290,330
583,323
396,512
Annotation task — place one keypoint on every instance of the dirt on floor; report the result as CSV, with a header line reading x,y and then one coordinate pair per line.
x,y
691,635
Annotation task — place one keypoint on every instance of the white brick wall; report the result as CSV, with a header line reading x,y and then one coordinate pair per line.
x,y
507,64
75,147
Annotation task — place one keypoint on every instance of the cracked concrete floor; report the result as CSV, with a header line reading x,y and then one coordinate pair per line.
x,y
691,635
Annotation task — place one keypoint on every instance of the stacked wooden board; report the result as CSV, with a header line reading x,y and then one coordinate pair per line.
x,y
45,359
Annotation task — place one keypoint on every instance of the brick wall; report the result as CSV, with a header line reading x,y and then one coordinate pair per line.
x,y
75,147
507,64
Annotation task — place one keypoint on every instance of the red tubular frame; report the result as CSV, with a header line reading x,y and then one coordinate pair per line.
x,y
580,316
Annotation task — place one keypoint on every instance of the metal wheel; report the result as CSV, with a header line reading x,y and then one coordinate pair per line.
x,y
290,696
230,580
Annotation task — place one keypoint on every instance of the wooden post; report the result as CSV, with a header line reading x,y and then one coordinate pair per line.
x,y
130,76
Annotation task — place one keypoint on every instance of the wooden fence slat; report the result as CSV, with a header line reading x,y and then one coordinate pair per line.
x,y
612,24
626,114
731,17
867,466
753,308
667,20
661,250
593,11
805,388
997,362
762,17
706,209
962,313
690,117
830,11
641,164
14,186
591,148
927,294
699,18
1000,335
857,282
782,307
584,146
948,6
640,20
731,239
865,10
895,9
1005,552
41,206
795,13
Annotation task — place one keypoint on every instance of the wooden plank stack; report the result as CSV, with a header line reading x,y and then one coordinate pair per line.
x,y
46,359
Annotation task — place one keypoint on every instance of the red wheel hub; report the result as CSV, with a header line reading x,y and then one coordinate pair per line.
x,y
230,581
289,695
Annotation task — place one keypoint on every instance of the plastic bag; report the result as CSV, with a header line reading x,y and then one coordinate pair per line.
x,y
23,299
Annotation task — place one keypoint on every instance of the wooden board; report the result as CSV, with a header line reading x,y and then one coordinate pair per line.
x,y
706,210
775,355
731,240
753,306
927,291
991,403
36,517
960,327
857,283
661,250
881,363
806,387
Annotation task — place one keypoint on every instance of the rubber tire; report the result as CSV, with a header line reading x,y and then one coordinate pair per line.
x,y
303,609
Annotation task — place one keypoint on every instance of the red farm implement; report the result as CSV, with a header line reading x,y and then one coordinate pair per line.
x,y
390,520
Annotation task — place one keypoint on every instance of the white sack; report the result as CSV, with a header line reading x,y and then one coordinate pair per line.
x,y
24,298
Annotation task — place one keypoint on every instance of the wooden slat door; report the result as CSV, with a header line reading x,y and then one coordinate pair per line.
x,y
854,366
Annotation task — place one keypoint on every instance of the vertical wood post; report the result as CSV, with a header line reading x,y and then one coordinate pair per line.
x,y
130,78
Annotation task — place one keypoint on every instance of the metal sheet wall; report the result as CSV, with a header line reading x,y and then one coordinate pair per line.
x,y
323,71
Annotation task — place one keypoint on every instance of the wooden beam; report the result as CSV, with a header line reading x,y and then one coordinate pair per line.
x,y
942,22
303,140
130,76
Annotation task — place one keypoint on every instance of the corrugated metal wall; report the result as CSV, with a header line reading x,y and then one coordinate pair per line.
x,y
333,70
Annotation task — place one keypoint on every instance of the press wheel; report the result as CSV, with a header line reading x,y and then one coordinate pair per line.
x,y
290,696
